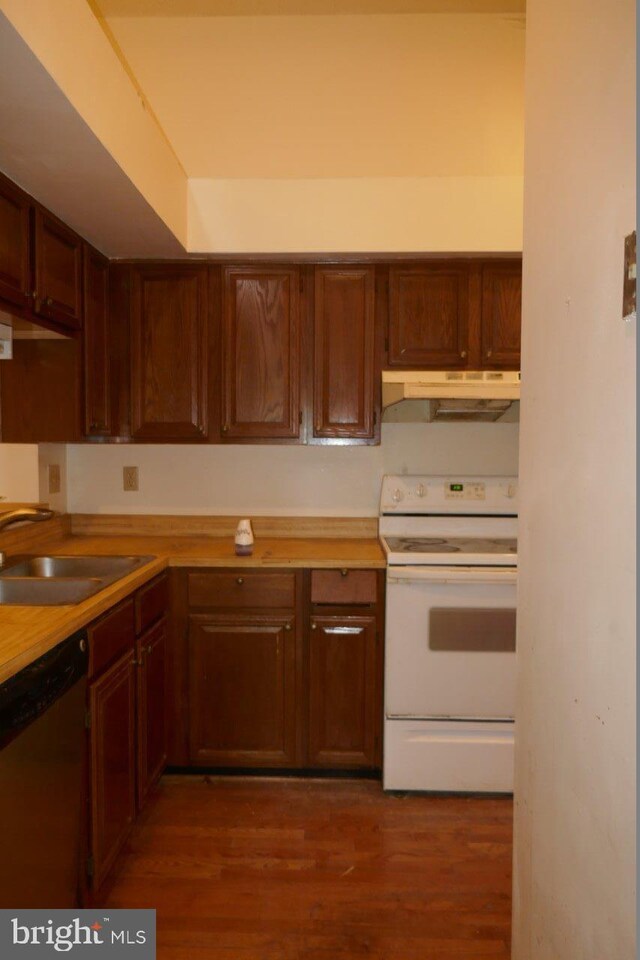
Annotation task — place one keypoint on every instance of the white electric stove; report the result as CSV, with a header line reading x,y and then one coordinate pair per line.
x,y
451,546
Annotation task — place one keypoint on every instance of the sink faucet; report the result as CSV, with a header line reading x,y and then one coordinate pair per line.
x,y
20,514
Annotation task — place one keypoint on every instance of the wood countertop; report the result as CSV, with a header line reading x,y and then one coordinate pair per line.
x,y
28,632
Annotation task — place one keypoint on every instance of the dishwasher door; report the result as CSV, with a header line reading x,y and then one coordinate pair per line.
x,y
42,749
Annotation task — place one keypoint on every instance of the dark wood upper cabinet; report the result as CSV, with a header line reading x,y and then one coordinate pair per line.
x,y
428,316
242,697
97,352
501,315
345,384
15,267
169,353
261,353
58,271
344,695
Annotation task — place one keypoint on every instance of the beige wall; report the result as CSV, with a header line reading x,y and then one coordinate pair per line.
x,y
19,473
68,40
281,480
575,752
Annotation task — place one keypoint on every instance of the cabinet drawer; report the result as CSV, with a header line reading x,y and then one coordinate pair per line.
x,y
343,586
152,602
241,589
111,637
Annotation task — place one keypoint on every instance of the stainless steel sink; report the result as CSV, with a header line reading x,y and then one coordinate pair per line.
x,y
32,592
57,581
101,567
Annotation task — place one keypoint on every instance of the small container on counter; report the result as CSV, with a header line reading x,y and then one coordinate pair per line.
x,y
244,539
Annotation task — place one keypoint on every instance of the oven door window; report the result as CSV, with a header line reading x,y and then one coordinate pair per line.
x,y
469,630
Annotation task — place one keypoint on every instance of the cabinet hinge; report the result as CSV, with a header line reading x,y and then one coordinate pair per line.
x,y
386,344
375,417
300,418
87,719
90,867
301,283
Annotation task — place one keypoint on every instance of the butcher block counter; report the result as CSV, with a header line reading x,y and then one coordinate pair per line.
x,y
27,632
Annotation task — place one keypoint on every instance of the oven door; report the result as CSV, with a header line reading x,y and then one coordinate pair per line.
x,y
450,643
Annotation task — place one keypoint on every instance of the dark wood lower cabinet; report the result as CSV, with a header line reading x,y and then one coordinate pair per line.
x,y
151,708
344,696
242,696
113,763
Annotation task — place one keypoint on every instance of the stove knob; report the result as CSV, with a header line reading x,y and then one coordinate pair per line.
x,y
420,491
397,495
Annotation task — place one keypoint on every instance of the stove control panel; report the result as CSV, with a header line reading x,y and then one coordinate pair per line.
x,y
465,495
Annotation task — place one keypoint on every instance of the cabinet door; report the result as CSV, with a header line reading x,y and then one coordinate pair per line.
x,y
261,353
344,365
169,344
58,272
152,737
113,763
15,278
428,316
344,698
501,315
242,690
97,394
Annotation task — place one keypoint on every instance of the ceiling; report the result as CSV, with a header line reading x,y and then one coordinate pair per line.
x,y
226,8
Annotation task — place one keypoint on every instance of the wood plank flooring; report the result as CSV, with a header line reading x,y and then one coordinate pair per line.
x,y
253,869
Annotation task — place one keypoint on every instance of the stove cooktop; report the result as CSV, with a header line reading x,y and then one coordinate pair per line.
x,y
458,550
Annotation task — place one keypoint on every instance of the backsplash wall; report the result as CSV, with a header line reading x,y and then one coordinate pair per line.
x,y
280,480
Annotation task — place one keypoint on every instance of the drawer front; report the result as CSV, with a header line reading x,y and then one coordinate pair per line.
x,y
344,586
224,591
110,637
152,602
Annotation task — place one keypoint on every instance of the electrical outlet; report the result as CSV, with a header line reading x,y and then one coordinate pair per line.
x,y
130,478
54,478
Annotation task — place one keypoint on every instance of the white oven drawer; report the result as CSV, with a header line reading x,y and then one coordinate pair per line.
x,y
450,643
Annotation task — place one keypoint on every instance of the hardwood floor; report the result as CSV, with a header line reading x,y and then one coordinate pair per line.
x,y
254,869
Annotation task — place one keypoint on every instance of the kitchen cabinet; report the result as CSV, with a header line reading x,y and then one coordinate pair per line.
x,y
501,315
58,272
345,397
343,702
97,346
113,763
15,259
151,724
242,696
169,352
261,353
278,668
127,723
428,315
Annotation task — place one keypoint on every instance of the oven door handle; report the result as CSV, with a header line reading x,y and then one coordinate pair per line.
x,y
452,574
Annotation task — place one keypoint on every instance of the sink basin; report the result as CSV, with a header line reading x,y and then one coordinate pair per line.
x,y
104,568
32,592
57,581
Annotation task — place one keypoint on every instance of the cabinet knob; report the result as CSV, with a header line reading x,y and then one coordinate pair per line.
x,y
463,354
240,580
344,573
148,649
489,352
48,301
287,626
314,626
225,428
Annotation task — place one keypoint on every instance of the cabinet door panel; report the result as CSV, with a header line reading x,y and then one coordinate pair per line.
x,y
169,362
113,763
501,315
344,700
344,370
428,316
152,734
242,691
15,280
97,394
261,353
58,271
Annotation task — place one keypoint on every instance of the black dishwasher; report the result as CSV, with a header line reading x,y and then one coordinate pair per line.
x,y
42,745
